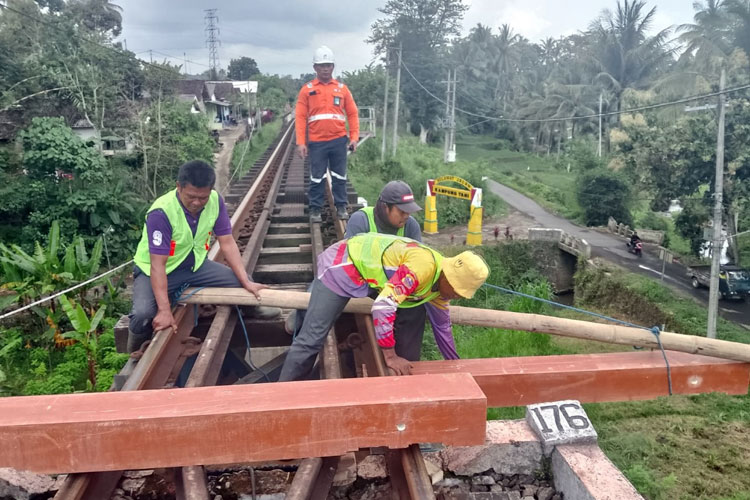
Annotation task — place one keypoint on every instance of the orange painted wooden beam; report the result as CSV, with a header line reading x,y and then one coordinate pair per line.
x,y
242,423
593,378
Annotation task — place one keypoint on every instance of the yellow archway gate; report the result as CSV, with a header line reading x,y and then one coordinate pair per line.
x,y
474,195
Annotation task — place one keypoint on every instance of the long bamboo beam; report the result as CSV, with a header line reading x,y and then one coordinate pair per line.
x,y
613,334
239,423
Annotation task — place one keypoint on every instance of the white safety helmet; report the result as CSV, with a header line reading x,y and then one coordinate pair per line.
x,y
323,55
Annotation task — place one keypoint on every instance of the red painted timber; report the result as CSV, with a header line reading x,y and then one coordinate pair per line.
x,y
594,378
229,424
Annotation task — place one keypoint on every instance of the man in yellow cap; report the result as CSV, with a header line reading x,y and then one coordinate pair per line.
x,y
405,272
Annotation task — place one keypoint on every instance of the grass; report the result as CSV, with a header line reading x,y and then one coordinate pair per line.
x,y
258,145
539,177
415,163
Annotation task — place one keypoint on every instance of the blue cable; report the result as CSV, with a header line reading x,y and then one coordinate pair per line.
x,y
247,342
655,330
178,297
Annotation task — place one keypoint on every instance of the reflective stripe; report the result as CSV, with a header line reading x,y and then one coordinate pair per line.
x,y
342,177
326,116
316,181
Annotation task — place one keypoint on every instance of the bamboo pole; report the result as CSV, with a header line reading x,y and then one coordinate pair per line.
x,y
613,334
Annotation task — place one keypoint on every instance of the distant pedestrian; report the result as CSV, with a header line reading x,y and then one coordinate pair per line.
x,y
508,236
496,232
324,105
453,237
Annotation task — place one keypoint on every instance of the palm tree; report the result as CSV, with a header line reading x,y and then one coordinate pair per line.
x,y
707,39
622,54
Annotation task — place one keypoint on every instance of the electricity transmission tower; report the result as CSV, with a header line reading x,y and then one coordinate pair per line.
x,y
212,42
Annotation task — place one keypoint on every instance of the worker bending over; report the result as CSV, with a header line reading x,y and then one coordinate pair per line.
x,y
406,273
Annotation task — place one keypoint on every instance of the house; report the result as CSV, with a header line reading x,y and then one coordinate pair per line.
x,y
84,129
220,101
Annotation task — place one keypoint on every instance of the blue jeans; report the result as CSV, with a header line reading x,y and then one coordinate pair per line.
x,y
326,155
144,307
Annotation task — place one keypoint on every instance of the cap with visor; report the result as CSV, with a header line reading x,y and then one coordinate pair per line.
x,y
400,194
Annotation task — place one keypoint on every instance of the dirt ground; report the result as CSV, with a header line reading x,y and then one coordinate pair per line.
x,y
518,222
223,157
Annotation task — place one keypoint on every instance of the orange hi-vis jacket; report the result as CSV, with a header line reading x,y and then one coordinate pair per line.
x,y
323,109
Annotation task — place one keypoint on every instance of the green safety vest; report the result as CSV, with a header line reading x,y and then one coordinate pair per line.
x,y
183,242
370,213
366,253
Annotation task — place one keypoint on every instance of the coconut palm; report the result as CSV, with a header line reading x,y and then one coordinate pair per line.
x,y
622,54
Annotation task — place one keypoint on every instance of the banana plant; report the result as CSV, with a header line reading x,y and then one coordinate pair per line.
x,y
85,332
25,277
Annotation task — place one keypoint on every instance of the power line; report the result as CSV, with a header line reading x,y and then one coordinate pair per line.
x,y
584,117
180,59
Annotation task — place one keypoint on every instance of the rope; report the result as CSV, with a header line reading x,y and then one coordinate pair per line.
x,y
655,330
54,296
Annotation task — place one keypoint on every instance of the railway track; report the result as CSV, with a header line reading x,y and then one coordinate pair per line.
x,y
279,247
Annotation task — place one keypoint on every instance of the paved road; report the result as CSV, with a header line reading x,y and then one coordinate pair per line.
x,y
614,248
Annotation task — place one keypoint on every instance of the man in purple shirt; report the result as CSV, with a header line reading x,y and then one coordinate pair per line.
x,y
173,249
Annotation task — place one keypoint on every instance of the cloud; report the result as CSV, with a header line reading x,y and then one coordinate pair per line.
x,y
280,35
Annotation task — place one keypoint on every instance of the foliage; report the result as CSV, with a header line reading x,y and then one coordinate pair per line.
x,y
65,180
422,28
690,223
414,163
85,332
603,194
242,69
32,276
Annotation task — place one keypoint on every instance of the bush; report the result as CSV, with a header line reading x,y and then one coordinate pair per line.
x,y
653,221
603,194
582,156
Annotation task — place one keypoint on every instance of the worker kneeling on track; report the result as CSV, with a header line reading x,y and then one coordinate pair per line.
x,y
172,253
405,272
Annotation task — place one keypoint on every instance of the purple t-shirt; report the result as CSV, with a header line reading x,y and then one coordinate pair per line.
x,y
160,230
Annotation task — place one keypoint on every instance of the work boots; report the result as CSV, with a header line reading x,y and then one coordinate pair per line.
x,y
341,212
315,217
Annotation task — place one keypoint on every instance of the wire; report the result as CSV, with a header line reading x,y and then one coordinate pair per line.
x,y
178,58
79,285
583,117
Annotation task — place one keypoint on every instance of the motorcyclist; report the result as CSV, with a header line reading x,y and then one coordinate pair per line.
x,y
634,238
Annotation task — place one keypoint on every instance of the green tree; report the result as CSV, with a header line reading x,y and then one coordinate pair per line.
x,y
622,54
242,69
602,194
423,29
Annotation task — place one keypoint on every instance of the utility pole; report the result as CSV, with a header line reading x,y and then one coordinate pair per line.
x,y
600,124
385,105
184,56
716,243
446,146
212,42
395,107
151,56
452,150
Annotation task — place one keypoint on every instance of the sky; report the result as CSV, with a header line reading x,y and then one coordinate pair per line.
x,y
281,35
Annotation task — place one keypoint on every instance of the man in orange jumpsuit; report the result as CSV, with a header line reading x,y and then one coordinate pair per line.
x,y
324,105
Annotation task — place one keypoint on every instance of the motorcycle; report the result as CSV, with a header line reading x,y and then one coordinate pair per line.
x,y
636,248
